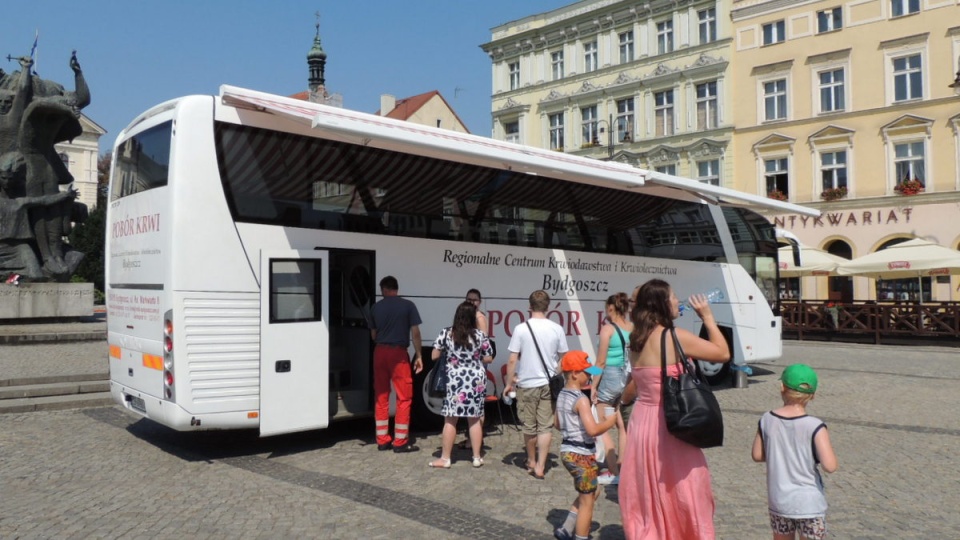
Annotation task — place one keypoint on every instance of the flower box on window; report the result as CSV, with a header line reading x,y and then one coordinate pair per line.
x,y
833,194
909,187
777,195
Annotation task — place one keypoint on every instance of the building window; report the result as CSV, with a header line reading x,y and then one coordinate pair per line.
x,y
707,105
773,32
514,75
904,7
556,131
556,60
65,159
664,37
625,120
776,177
588,126
831,90
907,78
829,20
775,100
667,169
511,132
708,25
626,47
708,172
590,56
663,112
908,162
833,169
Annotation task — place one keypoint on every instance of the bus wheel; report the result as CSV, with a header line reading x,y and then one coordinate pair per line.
x,y
715,373
426,409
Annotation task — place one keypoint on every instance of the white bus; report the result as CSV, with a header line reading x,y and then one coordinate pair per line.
x,y
247,234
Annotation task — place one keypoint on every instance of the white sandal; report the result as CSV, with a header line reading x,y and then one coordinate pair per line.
x,y
444,463
477,462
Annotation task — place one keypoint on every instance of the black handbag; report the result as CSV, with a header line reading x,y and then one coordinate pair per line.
x,y
439,377
557,382
692,411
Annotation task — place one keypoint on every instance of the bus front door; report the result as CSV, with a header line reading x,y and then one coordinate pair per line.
x,y
294,341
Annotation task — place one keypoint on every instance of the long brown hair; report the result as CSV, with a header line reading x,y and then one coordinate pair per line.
x,y
652,308
464,324
621,304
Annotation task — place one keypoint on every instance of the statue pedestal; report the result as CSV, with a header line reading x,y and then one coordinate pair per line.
x,y
41,300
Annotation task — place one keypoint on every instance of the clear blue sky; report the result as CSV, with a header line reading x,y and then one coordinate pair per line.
x,y
138,53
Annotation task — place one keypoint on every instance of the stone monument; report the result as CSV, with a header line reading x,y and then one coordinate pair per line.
x,y
35,215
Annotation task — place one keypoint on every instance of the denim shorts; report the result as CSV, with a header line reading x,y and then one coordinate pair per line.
x,y
612,381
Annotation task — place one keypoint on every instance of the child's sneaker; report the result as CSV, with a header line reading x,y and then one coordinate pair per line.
x,y
607,479
561,534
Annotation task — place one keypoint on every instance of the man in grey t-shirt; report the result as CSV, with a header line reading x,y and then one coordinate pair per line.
x,y
395,321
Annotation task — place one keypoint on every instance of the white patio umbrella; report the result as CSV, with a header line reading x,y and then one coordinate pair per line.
x,y
813,262
914,258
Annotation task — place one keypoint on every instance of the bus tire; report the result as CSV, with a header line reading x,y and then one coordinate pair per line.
x,y
715,373
426,409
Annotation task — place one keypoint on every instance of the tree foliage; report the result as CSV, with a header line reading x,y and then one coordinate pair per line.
x,y
88,238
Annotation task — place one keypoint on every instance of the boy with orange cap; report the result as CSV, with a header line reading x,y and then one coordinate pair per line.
x,y
576,423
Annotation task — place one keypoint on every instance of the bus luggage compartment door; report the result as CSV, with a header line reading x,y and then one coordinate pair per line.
x,y
294,341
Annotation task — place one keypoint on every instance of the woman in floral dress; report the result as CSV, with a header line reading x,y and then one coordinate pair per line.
x,y
468,351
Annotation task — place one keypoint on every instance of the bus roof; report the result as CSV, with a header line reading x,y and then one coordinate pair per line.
x,y
378,131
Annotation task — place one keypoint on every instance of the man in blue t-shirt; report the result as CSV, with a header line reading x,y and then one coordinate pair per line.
x,y
395,321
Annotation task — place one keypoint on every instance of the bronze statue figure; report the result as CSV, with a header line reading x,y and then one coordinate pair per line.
x,y
35,216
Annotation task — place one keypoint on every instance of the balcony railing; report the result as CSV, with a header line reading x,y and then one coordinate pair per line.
x,y
872,322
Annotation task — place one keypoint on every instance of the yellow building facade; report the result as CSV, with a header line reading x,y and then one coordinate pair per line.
x,y
847,107
645,83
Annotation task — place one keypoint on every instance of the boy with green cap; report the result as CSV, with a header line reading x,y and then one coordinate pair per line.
x,y
793,444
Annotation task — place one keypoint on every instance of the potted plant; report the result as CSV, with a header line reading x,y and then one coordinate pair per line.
x,y
909,187
832,194
777,195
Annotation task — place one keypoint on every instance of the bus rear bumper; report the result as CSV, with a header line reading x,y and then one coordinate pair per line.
x,y
176,417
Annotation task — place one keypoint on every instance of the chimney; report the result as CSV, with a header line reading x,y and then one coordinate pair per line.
x,y
387,104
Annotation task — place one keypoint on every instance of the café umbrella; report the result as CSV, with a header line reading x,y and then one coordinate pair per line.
x,y
917,258
813,262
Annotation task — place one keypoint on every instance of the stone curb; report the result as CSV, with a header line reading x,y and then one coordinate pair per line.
x,y
60,337
56,403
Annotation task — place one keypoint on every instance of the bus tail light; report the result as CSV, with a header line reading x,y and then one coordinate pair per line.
x,y
168,379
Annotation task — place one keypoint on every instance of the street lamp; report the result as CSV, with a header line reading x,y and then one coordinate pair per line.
x,y
610,135
956,81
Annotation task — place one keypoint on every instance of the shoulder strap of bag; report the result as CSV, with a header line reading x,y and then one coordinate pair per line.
x,y
663,354
540,354
623,342
693,370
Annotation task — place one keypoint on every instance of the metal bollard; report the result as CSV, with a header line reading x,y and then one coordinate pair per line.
x,y
740,379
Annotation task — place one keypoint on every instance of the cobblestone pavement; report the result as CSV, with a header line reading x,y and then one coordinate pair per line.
x,y
101,473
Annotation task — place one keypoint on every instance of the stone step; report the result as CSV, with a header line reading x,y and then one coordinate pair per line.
x,y
23,381
53,389
55,403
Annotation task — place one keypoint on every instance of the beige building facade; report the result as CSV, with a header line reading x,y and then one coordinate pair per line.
x,y
80,155
840,105
846,106
646,83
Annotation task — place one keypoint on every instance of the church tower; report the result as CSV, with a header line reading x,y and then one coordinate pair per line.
x,y
317,61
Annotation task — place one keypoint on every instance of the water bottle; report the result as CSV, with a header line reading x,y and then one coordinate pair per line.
x,y
713,297
508,397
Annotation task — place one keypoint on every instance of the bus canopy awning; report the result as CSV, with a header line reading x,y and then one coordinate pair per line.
x,y
366,129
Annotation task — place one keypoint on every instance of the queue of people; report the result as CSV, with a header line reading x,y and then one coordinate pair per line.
x,y
665,487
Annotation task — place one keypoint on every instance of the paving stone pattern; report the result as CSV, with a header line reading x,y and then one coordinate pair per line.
x,y
102,473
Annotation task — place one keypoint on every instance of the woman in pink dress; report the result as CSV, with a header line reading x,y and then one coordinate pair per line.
x,y
665,490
